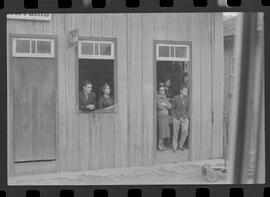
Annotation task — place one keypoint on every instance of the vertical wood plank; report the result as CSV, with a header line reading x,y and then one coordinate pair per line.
x,y
108,25
160,22
97,25
101,141
173,26
97,148
135,88
148,91
218,86
121,118
91,142
59,26
106,130
72,139
84,143
196,90
206,92
84,24
184,26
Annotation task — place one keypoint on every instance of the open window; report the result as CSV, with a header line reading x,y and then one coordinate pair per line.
x,y
96,64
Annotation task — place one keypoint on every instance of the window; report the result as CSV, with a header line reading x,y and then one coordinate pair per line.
x,y
173,52
96,50
28,47
96,64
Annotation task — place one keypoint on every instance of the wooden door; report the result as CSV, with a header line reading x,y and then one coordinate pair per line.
x,y
34,108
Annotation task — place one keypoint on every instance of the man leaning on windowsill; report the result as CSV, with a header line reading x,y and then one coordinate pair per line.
x,y
87,98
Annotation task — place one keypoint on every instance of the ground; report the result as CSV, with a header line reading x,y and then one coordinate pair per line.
x,y
170,173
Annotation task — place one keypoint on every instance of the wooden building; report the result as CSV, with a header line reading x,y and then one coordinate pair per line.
x,y
230,29
46,130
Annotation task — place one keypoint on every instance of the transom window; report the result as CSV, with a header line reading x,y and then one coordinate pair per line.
x,y
173,52
31,47
96,49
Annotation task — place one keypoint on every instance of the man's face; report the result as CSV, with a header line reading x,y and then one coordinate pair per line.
x,y
184,91
168,83
88,88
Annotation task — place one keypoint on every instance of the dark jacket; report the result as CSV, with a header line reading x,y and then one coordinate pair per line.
x,y
83,102
104,102
168,92
180,107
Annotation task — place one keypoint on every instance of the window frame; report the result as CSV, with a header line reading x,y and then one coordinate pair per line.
x,y
112,40
99,56
170,58
31,54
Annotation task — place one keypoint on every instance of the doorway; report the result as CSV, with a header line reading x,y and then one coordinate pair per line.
x,y
34,89
175,68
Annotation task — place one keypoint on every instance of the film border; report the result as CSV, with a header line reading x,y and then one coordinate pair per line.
x,y
13,6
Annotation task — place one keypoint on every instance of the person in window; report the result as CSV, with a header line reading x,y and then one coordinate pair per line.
x,y
163,105
161,83
87,98
168,89
106,101
180,112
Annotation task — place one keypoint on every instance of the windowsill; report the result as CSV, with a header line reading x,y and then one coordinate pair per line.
x,y
98,111
105,110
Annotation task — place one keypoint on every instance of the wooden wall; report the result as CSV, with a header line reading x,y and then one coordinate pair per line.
x,y
127,137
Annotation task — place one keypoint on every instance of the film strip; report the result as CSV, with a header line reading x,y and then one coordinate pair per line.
x,y
134,98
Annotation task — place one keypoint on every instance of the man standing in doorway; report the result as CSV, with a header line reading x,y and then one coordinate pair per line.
x,y
168,89
180,112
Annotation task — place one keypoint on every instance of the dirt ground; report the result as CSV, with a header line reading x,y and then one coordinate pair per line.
x,y
172,173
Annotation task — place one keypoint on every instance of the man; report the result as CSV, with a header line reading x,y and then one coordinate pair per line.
x,y
180,112
168,89
87,98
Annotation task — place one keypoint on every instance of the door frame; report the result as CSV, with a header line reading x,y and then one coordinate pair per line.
x,y
189,43
10,135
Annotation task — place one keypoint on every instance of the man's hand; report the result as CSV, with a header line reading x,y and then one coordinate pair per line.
x,y
110,107
91,107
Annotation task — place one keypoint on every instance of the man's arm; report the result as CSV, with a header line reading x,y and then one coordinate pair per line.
x,y
188,108
100,103
93,103
173,106
94,99
82,105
